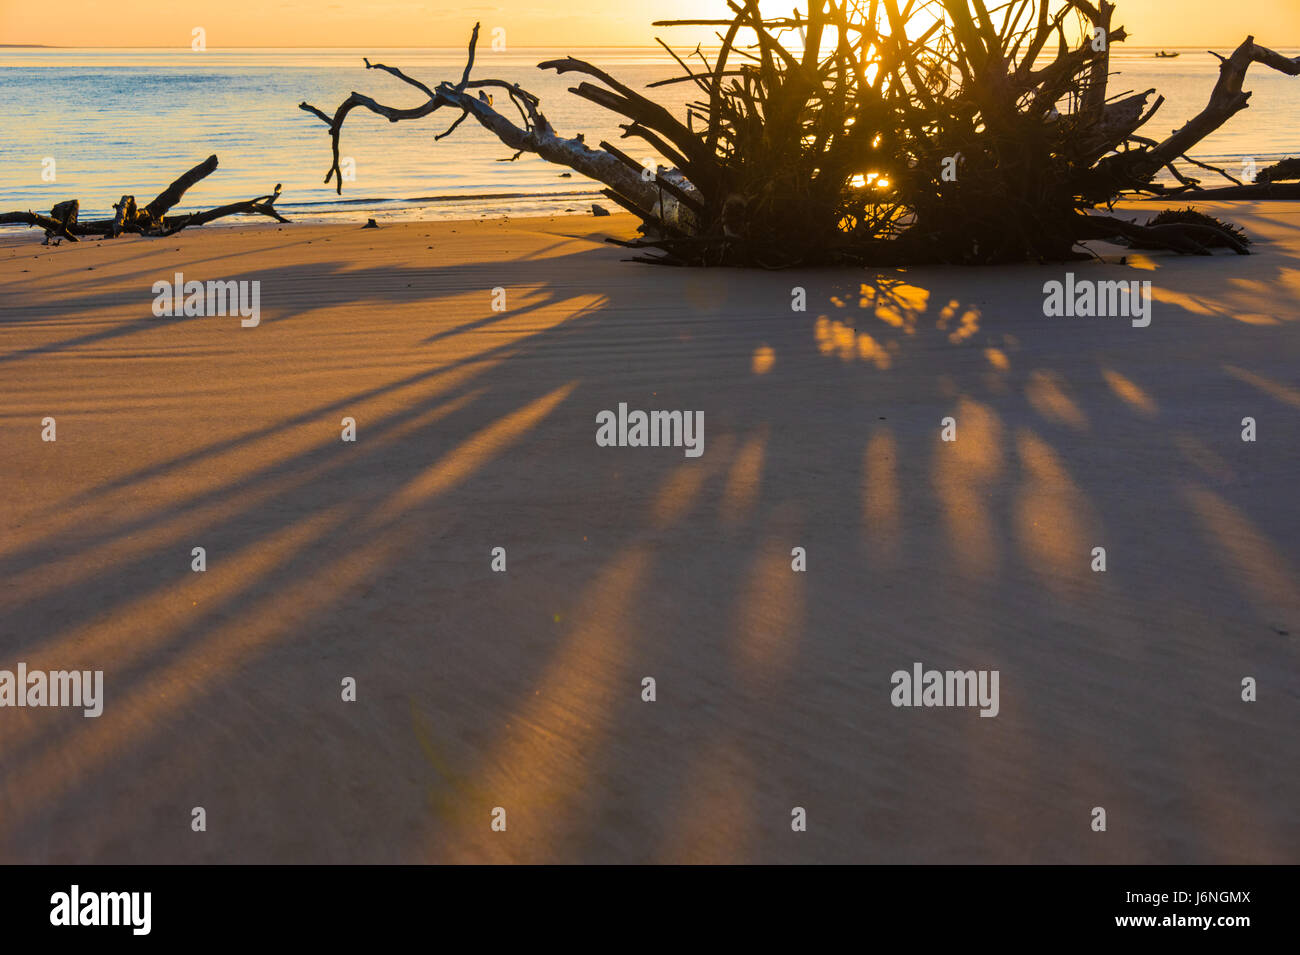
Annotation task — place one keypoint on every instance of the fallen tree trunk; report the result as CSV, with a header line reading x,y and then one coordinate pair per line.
x,y
151,220
894,132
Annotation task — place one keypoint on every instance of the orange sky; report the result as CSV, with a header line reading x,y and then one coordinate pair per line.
x,y
388,23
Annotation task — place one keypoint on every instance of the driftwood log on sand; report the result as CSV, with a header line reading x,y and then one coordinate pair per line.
x,y
149,220
891,132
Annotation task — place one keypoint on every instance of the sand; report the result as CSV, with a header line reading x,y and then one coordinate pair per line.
x,y
475,429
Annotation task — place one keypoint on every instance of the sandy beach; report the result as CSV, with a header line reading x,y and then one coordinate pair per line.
x,y
475,429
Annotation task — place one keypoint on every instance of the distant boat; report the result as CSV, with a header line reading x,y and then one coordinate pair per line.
x,y
1165,55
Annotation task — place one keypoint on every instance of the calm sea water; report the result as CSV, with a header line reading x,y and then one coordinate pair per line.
x,y
129,121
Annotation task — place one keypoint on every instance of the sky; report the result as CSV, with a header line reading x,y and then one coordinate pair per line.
x,y
527,23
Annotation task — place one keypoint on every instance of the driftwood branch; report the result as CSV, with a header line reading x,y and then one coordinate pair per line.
x,y
1226,100
1255,190
152,219
1187,238
173,193
53,227
644,190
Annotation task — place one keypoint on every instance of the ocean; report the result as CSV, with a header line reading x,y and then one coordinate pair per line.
x,y
128,121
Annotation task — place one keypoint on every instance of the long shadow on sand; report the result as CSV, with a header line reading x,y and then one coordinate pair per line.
x,y
524,689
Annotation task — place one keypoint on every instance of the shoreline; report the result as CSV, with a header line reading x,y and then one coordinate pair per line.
x,y
1133,207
